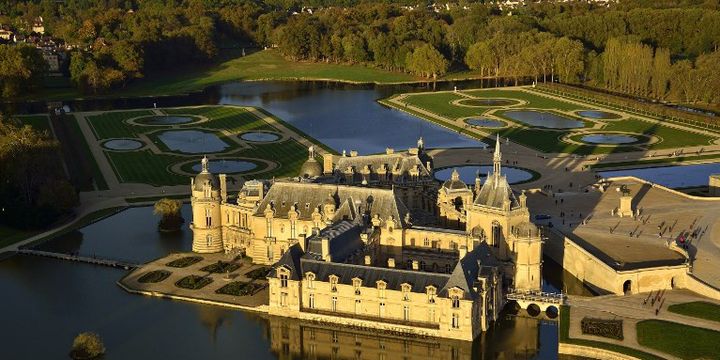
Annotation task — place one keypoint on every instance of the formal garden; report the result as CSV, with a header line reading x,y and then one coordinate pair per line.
x,y
163,147
548,124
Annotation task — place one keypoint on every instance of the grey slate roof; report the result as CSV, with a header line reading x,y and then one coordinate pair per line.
x,y
398,164
468,268
310,196
291,260
344,240
495,191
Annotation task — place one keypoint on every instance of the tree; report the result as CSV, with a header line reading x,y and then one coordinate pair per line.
x,y
427,61
169,210
568,59
87,345
662,71
480,57
21,69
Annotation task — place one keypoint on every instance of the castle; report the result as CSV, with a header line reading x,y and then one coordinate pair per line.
x,y
376,241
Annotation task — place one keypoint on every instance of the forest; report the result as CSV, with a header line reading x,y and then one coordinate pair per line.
x,y
663,50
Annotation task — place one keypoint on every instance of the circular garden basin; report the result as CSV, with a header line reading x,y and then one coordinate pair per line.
x,y
123,144
166,120
612,139
260,136
544,119
597,114
467,173
487,102
222,166
484,122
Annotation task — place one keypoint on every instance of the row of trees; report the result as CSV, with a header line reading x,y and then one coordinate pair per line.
x,y
34,190
21,70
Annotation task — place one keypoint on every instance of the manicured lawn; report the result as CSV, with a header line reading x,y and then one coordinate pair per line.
x,y
685,342
235,120
184,261
672,137
440,104
154,276
144,167
290,155
193,282
239,288
112,124
534,100
698,309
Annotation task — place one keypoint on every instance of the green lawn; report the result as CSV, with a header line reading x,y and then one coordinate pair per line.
x,y
146,168
533,100
440,104
235,120
112,124
97,175
698,309
289,154
671,137
683,341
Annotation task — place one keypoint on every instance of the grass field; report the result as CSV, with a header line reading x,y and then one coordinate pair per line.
x,y
232,119
698,309
683,341
112,124
38,122
533,100
671,137
440,104
97,175
146,168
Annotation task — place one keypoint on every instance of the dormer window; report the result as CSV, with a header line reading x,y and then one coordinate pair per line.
x,y
310,277
381,286
455,301
405,291
283,275
333,283
431,292
357,283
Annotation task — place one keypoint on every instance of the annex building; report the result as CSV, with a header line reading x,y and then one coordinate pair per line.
x,y
375,241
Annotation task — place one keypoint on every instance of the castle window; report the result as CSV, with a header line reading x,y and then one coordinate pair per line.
x,y
310,280
356,284
382,309
268,223
455,321
283,299
307,206
283,280
381,285
431,315
453,245
496,234
455,302
431,292
311,299
334,303
209,240
406,312
208,217
227,214
333,283
405,291
426,242
292,229
357,306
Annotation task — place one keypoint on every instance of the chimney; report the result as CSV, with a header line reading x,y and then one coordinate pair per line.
x,y
391,263
327,163
353,153
368,260
325,242
223,187
415,265
389,151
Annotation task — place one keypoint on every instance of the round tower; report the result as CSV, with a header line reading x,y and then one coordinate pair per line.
x,y
206,227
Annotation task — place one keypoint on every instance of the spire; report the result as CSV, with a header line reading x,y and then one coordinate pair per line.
x,y
455,175
420,143
311,152
204,164
497,157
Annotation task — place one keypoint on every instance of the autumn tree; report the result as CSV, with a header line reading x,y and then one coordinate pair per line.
x,y
427,61
169,210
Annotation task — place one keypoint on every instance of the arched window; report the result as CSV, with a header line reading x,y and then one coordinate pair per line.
x,y
209,240
208,217
455,321
496,234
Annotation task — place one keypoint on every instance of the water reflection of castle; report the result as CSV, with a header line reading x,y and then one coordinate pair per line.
x,y
512,338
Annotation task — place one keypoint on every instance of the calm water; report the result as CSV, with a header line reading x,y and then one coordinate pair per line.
x,y
468,173
483,122
123,144
259,136
192,141
543,119
597,114
167,120
343,117
223,166
609,139
54,300
678,176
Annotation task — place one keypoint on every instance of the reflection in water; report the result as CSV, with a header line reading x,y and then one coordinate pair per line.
x,y
192,141
344,117
543,119
514,337
678,176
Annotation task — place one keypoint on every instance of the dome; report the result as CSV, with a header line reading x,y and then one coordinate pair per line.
x,y
454,182
205,177
311,168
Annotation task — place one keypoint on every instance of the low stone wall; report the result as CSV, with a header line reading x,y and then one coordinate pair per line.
x,y
590,352
695,285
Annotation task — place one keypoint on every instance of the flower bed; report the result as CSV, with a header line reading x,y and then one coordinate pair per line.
x,y
259,273
239,288
184,262
154,276
221,267
193,282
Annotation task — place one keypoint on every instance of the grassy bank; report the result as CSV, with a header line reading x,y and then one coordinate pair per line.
x,y
698,309
683,341
232,66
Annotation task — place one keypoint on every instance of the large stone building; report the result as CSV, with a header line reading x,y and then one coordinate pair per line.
x,y
375,241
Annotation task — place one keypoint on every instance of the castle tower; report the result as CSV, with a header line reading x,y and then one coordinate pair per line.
x,y
527,257
206,227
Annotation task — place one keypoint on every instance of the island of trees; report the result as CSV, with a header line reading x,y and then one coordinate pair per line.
x,y
663,50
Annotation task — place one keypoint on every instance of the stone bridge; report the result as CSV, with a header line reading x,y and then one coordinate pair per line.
x,y
528,299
